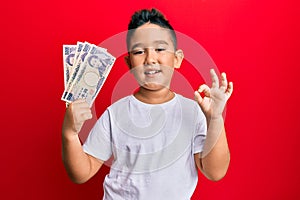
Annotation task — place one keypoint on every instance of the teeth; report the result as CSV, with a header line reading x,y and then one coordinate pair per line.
x,y
152,72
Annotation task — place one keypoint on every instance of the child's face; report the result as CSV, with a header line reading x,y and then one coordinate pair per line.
x,y
152,58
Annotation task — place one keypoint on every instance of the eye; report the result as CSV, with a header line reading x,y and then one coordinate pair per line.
x,y
137,52
161,49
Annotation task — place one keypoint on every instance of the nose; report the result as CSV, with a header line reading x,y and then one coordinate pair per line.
x,y
151,57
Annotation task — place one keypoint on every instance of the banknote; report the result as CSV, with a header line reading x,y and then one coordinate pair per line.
x,y
79,47
92,68
80,59
78,50
81,51
68,60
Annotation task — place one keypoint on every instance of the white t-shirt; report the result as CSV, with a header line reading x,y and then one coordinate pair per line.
x,y
152,146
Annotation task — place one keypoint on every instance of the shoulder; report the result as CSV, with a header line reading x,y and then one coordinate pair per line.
x,y
191,106
120,103
114,109
186,102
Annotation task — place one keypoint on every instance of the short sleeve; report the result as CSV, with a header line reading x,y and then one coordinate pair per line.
x,y
98,143
200,130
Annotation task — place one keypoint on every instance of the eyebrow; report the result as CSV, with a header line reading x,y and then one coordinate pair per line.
x,y
155,42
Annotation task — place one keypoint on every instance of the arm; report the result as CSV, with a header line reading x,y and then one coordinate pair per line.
x,y
79,165
214,160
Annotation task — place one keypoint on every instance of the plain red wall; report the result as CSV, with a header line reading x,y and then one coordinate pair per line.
x,y
255,42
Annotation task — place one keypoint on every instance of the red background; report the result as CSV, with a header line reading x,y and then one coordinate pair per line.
x,y
255,42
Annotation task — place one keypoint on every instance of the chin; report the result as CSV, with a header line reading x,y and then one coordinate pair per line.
x,y
154,86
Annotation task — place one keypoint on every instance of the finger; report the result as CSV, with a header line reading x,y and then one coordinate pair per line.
x,y
198,97
75,103
224,83
83,114
214,78
83,105
229,90
87,115
79,108
80,103
205,89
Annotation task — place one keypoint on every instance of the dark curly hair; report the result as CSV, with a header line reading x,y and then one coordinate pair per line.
x,y
153,16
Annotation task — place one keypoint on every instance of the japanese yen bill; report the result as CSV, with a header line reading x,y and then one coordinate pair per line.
x,y
86,67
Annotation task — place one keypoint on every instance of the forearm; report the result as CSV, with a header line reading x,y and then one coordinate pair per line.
x,y
76,161
216,156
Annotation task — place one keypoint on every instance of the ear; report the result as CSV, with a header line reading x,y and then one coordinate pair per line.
x,y
178,58
127,61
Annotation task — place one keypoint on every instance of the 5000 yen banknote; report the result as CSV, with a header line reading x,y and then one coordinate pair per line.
x,y
90,75
68,60
80,59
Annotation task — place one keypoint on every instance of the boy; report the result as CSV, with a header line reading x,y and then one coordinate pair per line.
x,y
158,139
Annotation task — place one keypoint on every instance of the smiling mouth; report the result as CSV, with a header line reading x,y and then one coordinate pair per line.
x,y
151,72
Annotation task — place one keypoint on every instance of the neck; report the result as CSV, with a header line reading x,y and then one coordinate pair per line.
x,y
154,96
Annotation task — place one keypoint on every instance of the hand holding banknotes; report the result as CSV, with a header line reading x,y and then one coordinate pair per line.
x,y
76,114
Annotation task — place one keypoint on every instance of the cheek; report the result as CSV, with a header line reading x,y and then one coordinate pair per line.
x,y
167,61
137,61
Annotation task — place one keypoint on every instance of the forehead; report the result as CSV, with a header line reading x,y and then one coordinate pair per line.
x,y
149,35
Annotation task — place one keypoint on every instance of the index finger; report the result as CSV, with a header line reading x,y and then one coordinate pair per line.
x,y
214,78
79,103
